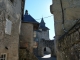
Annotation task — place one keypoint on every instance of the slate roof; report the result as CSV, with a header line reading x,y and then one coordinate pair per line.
x,y
42,25
38,30
28,18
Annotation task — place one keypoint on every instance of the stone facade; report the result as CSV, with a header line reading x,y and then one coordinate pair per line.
x,y
69,44
66,13
42,32
26,36
10,18
43,44
42,35
26,55
26,42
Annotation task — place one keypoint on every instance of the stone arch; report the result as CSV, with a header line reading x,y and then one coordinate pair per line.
x,y
48,50
46,43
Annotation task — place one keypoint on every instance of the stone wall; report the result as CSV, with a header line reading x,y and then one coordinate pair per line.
x,y
39,35
43,35
26,36
48,50
10,17
66,12
26,42
69,44
46,43
26,55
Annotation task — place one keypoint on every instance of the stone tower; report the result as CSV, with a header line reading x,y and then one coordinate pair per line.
x,y
29,24
27,28
44,31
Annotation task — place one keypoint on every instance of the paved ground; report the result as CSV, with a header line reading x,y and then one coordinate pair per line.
x,y
47,57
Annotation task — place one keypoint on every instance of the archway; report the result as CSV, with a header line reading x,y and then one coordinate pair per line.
x,y
47,50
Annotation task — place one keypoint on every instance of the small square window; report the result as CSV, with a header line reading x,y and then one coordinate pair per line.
x,y
3,56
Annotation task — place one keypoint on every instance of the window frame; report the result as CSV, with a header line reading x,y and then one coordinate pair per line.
x,y
4,56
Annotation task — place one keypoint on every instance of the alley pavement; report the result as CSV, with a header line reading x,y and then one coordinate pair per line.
x,y
46,57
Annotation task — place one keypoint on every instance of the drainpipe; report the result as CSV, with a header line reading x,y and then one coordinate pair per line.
x,y
62,16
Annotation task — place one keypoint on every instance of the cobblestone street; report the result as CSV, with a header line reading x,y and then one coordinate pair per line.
x,y
47,57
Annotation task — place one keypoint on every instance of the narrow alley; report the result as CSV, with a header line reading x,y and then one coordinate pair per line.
x,y
39,29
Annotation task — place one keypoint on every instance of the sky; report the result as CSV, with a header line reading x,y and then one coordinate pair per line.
x,y
41,8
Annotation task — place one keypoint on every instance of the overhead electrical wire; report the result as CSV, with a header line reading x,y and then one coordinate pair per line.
x,y
44,17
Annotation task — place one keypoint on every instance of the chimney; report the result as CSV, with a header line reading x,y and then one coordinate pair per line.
x,y
26,12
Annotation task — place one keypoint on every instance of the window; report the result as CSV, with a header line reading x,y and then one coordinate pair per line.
x,y
3,57
40,29
8,27
34,33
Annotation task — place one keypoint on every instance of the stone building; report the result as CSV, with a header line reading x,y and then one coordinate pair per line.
x,y
10,18
29,24
42,34
66,21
